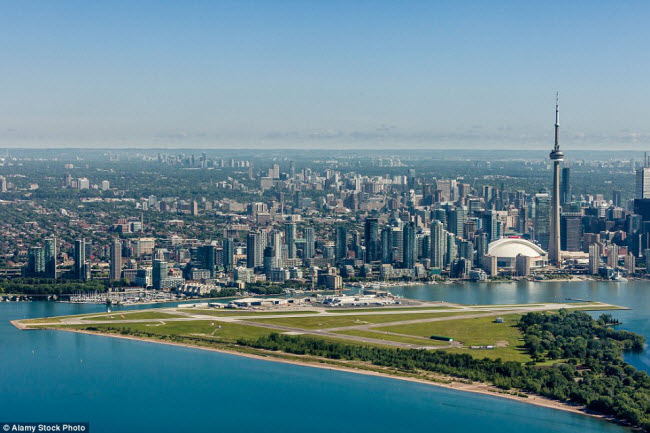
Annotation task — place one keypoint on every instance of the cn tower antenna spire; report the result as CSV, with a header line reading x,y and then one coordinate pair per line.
x,y
557,121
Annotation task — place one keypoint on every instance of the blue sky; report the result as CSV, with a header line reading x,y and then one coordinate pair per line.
x,y
339,74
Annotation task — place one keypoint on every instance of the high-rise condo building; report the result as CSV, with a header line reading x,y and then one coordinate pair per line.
x,y
116,260
409,245
340,243
309,236
565,186
80,263
253,250
50,257
372,239
290,238
542,219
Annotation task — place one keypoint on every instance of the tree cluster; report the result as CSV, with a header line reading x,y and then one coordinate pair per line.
x,y
595,374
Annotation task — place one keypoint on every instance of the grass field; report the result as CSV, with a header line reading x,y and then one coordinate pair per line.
x,y
476,331
390,337
56,319
217,332
505,305
139,315
229,332
516,354
325,321
470,331
366,310
226,313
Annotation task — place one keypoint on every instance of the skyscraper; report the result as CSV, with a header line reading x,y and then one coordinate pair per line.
x,y
269,260
542,219
207,256
481,246
36,262
594,259
309,235
372,239
409,255
290,238
50,257
79,268
452,250
340,243
643,181
565,186
276,244
228,253
456,221
490,225
570,232
116,260
438,244
387,253
253,250
556,156
159,273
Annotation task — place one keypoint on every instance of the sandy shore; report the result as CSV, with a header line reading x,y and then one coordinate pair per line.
x,y
476,387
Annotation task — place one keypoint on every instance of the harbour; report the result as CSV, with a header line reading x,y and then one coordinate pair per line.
x,y
106,369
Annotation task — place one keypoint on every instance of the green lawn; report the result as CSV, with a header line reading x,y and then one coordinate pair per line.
x,y
227,332
385,309
128,315
55,319
331,321
476,331
219,332
505,305
390,337
229,312
124,315
596,307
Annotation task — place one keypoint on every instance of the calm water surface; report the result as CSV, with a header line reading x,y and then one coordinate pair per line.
x,y
130,386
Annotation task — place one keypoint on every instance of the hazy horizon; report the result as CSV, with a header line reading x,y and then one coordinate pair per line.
x,y
331,75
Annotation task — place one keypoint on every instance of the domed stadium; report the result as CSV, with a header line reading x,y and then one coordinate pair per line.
x,y
506,251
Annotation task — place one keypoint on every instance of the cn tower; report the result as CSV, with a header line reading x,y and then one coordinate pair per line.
x,y
556,156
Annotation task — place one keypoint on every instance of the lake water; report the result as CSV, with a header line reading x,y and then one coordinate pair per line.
x,y
131,386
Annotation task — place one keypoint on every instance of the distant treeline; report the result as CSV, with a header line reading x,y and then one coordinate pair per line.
x,y
222,293
49,286
594,374
266,288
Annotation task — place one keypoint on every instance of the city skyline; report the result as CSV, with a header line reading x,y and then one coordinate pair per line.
x,y
270,206
342,75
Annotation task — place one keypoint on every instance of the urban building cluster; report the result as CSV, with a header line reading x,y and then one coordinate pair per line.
x,y
318,225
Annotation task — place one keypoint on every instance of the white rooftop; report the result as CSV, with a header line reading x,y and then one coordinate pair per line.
x,y
511,247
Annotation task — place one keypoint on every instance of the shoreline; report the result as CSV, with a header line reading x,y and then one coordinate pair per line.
x,y
475,387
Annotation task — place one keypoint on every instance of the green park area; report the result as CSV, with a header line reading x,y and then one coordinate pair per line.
x,y
506,337
336,321
217,331
243,313
139,315
389,309
382,335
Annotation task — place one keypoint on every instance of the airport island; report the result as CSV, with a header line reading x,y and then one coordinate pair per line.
x,y
547,354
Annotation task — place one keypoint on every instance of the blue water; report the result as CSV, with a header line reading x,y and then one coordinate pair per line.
x,y
633,294
131,386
